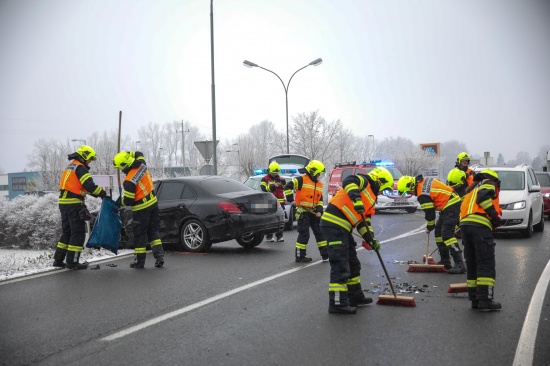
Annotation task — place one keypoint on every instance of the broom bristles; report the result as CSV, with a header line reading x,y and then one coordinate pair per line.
x,y
426,268
430,260
407,301
456,288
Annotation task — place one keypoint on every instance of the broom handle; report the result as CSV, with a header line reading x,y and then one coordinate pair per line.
x,y
427,249
386,272
118,150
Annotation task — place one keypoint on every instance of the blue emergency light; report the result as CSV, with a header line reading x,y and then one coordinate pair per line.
x,y
260,171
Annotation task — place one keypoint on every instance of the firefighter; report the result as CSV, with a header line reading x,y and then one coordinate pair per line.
x,y
433,194
479,217
462,162
273,183
138,193
351,207
75,183
309,208
457,180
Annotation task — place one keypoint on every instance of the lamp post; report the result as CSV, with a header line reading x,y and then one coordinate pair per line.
x,y
182,144
75,140
316,62
372,146
238,151
162,160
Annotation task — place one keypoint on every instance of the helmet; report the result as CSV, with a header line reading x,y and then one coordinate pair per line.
x,y
462,156
405,184
123,159
86,152
274,167
456,177
489,174
382,176
315,167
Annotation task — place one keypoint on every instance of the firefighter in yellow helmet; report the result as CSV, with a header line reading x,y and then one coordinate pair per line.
x,y
462,163
75,183
433,194
351,207
479,217
457,180
309,208
274,183
138,194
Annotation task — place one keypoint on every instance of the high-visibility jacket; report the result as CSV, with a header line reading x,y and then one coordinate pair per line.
x,y
478,204
440,195
75,183
309,194
138,189
278,192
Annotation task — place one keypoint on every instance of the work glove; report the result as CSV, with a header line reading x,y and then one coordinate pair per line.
x,y
495,221
374,244
358,206
84,214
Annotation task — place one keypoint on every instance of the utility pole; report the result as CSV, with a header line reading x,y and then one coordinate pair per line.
x,y
182,145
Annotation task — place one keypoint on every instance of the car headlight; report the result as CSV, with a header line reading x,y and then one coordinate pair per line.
x,y
515,206
546,195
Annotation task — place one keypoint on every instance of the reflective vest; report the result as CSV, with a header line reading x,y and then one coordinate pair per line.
x,y
279,191
310,194
442,195
70,182
345,204
144,196
471,211
470,176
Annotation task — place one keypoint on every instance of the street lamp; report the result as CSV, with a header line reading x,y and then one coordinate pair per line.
x,y
182,145
238,151
75,140
316,62
372,146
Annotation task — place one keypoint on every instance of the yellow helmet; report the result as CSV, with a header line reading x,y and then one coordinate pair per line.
x,y
86,152
462,156
315,167
123,159
456,177
406,184
274,167
383,177
489,174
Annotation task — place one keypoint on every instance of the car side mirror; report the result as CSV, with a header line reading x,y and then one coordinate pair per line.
x,y
535,188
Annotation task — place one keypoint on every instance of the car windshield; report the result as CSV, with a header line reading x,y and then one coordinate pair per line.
x,y
511,181
544,179
219,186
253,183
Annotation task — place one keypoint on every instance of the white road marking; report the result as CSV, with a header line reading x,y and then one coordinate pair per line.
x,y
199,304
526,343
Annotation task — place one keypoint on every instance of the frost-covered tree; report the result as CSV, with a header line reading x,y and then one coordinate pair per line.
x,y
500,159
406,155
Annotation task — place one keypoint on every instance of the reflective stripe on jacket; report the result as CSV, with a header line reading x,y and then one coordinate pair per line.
x,y
441,196
311,193
142,195
474,211
278,192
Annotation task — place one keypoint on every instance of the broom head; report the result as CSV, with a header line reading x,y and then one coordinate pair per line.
x,y
455,288
407,301
426,268
430,260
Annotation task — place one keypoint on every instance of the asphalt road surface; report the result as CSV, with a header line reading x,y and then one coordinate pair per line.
x,y
259,307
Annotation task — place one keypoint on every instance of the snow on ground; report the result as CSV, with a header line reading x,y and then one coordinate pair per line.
x,y
16,263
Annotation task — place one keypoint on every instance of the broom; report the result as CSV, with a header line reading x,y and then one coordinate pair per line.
x,y
426,267
430,259
456,288
389,299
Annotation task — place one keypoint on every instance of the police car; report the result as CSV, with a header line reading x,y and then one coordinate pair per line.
x,y
388,200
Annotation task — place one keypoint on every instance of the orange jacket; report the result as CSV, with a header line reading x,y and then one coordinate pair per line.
x,y
138,189
478,204
75,183
310,194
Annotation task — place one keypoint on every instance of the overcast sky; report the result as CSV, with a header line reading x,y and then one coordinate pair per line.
x,y
431,71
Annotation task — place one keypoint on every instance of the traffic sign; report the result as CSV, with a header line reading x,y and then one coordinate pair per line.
x,y
206,149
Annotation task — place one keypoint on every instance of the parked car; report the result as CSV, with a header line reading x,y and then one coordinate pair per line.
x,y
289,210
198,211
388,200
520,199
544,180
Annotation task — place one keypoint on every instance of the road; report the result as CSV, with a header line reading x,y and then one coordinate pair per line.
x,y
233,307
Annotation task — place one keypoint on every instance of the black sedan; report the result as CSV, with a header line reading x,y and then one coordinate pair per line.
x,y
197,211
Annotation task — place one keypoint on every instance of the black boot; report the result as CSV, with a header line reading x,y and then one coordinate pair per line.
x,y
339,309
158,253
59,257
459,267
472,292
72,262
445,258
489,304
303,259
356,296
139,261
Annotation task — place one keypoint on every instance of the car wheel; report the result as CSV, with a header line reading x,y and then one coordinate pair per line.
x,y
193,237
411,209
528,231
250,240
290,223
540,226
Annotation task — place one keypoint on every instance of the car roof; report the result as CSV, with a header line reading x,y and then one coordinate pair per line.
x,y
521,167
